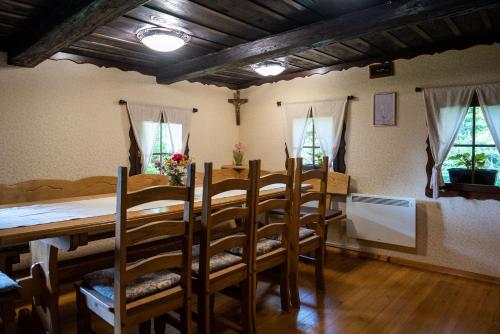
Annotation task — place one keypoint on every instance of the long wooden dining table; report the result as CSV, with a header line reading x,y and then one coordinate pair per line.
x,y
47,239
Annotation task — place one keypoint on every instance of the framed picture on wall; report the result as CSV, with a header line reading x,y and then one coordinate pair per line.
x,y
384,109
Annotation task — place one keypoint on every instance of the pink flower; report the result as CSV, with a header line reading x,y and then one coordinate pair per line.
x,y
177,157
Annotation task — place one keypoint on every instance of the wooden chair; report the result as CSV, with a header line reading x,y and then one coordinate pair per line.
x,y
272,241
337,185
214,267
308,232
131,294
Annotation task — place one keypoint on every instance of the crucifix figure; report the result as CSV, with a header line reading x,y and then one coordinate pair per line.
x,y
237,102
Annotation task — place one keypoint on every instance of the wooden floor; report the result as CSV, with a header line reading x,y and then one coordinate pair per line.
x,y
363,296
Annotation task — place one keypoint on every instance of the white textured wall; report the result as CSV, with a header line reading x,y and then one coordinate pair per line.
x,y
455,232
62,120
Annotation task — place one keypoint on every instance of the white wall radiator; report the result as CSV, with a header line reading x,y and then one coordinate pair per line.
x,y
386,219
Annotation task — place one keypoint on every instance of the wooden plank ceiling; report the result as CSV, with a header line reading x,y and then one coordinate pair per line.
x,y
227,36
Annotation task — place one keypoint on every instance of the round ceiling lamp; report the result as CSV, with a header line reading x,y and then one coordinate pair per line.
x,y
269,68
162,39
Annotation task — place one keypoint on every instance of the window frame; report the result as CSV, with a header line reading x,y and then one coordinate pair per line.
x,y
471,190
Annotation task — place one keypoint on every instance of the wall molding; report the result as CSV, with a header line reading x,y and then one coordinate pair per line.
x,y
351,251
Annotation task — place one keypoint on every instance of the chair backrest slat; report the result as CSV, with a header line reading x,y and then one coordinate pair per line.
x,y
227,214
153,230
310,197
310,218
157,193
273,204
312,174
227,242
152,265
229,184
271,229
273,178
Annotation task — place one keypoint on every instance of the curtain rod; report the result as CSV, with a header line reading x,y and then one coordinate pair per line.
x,y
350,97
123,102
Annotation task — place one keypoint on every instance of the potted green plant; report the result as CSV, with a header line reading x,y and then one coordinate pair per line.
x,y
464,175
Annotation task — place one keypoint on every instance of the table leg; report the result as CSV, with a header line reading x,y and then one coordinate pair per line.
x,y
46,304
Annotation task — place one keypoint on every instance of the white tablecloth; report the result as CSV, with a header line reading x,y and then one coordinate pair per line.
x,y
57,212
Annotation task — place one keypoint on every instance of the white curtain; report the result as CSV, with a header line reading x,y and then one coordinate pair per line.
x,y
446,110
328,118
145,121
180,116
295,120
489,99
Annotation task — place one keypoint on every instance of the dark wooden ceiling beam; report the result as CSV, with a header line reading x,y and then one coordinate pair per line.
x,y
422,33
351,49
58,31
453,26
485,18
394,40
324,54
456,44
380,18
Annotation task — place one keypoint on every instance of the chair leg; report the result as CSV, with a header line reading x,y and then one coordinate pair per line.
x,y
203,313
320,268
294,281
253,301
247,306
160,324
285,287
82,314
186,319
145,327
326,238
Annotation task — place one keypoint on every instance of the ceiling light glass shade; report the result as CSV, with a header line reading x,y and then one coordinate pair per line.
x,y
163,40
269,68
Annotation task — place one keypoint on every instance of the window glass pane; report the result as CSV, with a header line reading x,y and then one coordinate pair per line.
x,y
166,143
307,155
464,135
492,160
483,134
454,163
309,133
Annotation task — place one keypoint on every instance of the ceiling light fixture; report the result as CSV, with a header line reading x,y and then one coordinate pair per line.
x,y
269,68
162,39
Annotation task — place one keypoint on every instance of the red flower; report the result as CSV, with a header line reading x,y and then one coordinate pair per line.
x,y
178,157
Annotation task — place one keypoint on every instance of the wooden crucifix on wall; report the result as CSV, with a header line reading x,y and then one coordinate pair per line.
x,y
237,102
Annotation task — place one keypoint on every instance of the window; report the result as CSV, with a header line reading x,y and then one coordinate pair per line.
x,y
168,140
472,166
474,158
312,153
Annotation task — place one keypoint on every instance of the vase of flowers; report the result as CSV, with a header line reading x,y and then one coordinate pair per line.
x,y
174,166
238,153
